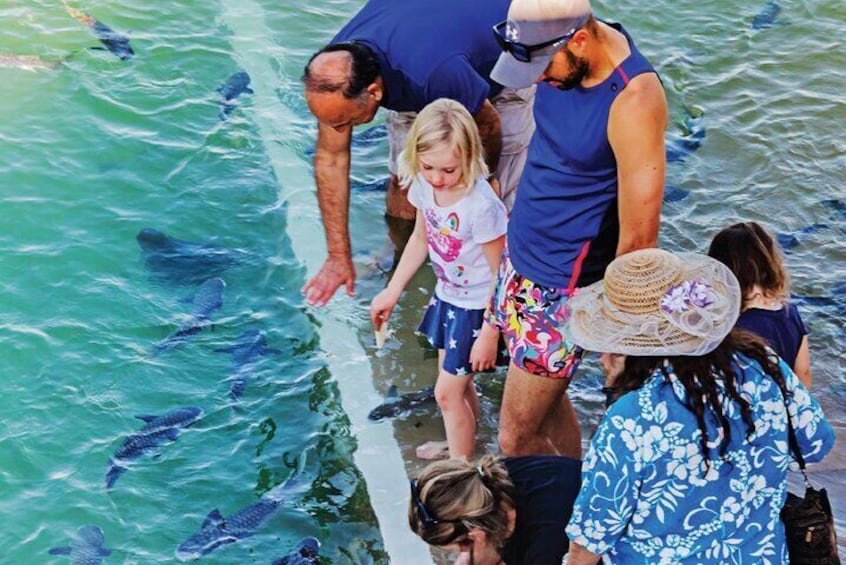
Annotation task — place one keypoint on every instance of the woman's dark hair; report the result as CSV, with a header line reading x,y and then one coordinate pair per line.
x,y
457,496
699,377
753,256
364,69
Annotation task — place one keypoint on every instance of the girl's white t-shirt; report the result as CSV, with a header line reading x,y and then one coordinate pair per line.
x,y
455,235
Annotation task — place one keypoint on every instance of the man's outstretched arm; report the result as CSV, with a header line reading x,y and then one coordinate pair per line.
x,y
332,176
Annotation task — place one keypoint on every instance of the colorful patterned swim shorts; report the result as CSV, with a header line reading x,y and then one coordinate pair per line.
x,y
529,317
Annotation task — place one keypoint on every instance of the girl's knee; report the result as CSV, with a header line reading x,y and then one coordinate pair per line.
x,y
450,390
447,399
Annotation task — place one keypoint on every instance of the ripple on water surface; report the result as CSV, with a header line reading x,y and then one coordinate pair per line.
x,y
97,149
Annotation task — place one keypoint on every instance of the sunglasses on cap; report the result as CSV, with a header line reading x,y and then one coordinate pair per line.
x,y
521,51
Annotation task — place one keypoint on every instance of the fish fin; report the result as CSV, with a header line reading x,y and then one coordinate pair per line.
x,y
105,552
164,345
787,241
214,517
98,48
146,417
425,393
392,392
172,434
813,228
113,473
60,551
249,90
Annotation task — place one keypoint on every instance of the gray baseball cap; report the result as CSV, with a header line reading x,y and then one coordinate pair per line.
x,y
534,31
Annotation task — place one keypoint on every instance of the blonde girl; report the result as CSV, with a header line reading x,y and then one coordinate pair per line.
x,y
460,225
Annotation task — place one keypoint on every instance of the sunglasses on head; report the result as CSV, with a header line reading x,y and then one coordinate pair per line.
x,y
428,520
521,51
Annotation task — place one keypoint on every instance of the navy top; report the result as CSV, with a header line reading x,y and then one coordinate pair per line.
x,y
782,329
546,487
430,50
564,226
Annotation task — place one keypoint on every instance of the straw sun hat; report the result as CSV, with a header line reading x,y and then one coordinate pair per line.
x,y
652,303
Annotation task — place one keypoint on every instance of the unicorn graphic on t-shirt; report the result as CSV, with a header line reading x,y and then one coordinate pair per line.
x,y
443,237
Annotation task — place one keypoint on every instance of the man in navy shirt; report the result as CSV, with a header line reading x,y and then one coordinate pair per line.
x,y
591,190
402,55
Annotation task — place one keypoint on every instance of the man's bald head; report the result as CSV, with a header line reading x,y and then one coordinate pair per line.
x,y
343,88
348,68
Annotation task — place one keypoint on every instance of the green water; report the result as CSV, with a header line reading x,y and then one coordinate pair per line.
x,y
98,149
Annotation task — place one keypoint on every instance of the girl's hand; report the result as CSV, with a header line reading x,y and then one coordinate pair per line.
x,y
381,308
483,352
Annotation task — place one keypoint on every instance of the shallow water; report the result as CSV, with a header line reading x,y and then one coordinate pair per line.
x,y
97,149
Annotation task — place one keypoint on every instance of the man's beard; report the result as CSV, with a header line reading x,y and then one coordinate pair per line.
x,y
580,67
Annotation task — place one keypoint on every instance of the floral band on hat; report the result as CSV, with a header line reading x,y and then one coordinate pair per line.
x,y
681,297
652,303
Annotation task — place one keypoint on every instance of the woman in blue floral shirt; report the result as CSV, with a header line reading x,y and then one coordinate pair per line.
x,y
689,465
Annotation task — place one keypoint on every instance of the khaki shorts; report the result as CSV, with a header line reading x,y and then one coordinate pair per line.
x,y
518,125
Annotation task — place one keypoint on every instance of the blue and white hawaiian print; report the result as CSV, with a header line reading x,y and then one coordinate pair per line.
x,y
646,496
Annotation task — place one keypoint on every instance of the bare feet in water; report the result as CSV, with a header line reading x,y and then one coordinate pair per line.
x,y
432,450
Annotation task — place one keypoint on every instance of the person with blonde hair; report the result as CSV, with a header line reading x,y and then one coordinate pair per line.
x,y
461,226
752,255
401,56
689,464
493,511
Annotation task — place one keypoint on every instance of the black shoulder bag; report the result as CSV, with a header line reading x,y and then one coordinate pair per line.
x,y
808,521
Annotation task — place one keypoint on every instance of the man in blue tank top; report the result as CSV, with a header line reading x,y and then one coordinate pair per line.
x,y
402,55
591,190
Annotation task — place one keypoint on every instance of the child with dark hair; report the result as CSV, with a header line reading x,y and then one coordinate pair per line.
x,y
753,256
689,465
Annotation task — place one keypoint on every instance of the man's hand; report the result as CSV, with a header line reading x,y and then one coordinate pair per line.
x,y
331,174
336,271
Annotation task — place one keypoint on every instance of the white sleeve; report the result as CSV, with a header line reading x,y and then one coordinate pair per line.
x,y
415,194
490,220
